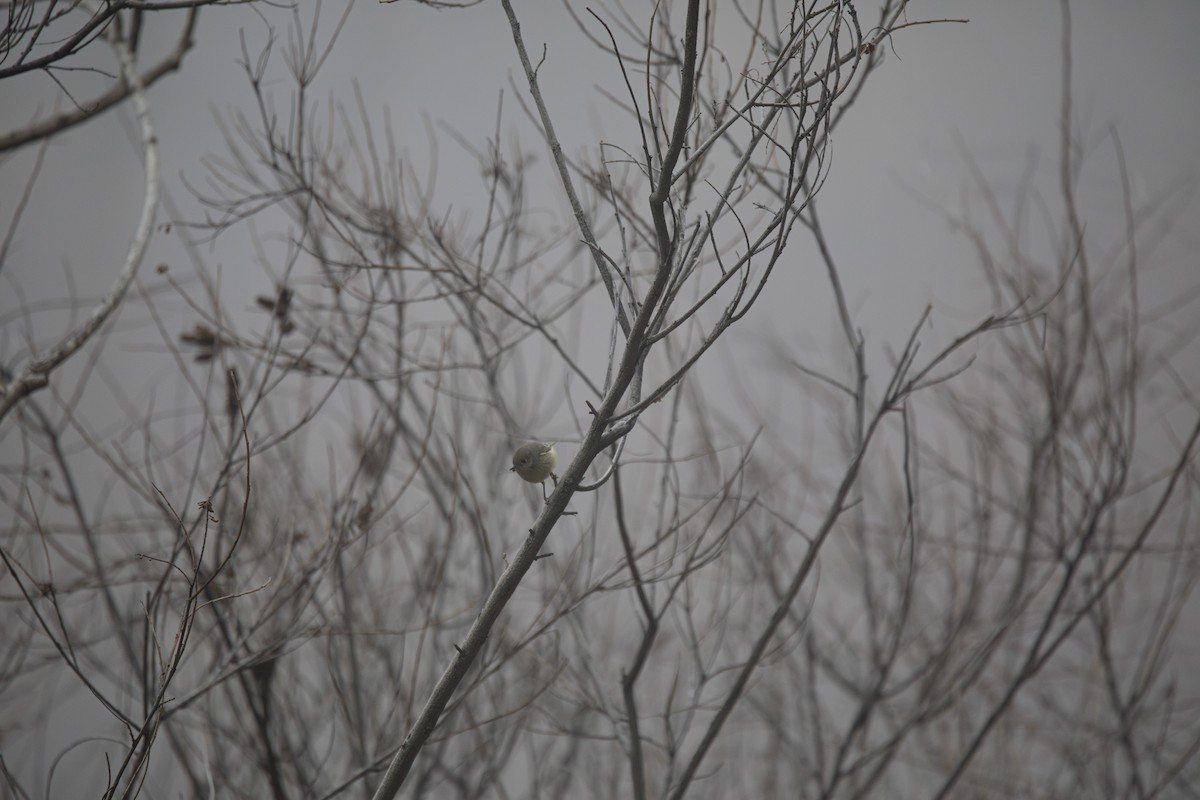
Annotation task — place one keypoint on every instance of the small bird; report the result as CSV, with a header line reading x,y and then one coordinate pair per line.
x,y
534,462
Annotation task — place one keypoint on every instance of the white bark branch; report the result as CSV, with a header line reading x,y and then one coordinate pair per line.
x,y
37,373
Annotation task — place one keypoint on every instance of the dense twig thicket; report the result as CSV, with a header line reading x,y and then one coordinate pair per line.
x,y
310,574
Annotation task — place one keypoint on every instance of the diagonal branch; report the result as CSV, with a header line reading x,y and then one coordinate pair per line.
x,y
121,90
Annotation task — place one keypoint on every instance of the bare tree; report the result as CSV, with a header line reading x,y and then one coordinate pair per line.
x,y
973,577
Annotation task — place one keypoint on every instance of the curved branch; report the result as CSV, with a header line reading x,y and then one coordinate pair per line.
x,y
37,374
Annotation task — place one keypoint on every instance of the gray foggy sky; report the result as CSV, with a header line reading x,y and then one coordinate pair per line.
x,y
991,84
989,88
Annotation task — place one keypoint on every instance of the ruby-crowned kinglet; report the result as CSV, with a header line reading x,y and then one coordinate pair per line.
x,y
534,462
